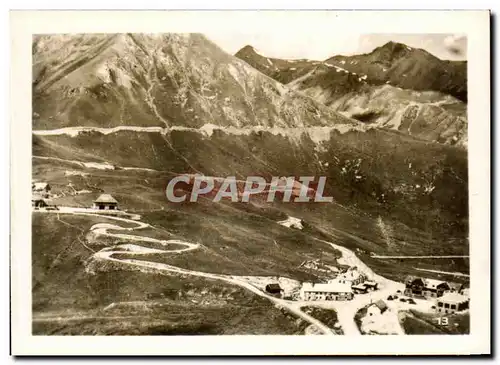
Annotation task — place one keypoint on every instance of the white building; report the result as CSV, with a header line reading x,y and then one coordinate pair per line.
x,y
452,302
330,291
376,308
351,277
41,188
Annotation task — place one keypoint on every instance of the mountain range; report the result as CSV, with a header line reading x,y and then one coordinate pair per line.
x,y
394,86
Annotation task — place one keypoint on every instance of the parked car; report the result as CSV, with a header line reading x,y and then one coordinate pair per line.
x,y
411,301
390,297
402,300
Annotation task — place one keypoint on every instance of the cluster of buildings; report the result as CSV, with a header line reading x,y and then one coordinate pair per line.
x,y
41,198
450,297
343,287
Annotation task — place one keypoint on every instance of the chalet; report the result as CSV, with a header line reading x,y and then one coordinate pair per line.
x,y
377,308
330,291
424,288
434,288
452,302
414,286
105,202
38,202
274,288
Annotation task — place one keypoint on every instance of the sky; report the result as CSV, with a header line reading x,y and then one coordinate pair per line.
x,y
318,47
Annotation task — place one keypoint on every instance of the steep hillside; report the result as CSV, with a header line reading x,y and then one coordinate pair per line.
x,y
428,115
158,80
281,70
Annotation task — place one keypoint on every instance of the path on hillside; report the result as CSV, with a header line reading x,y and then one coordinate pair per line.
x,y
96,165
422,257
206,130
101,229
443,272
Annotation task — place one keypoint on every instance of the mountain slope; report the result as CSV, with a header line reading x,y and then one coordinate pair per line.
x,y
428,115
390,87
393,63
408,68
166,80
281,70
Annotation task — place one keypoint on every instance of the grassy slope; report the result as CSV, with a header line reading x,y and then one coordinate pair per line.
x,y
326,316
61,287
387,185
143,192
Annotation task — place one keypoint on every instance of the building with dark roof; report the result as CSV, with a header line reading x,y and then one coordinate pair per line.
x,y
377,308
425,288
274,288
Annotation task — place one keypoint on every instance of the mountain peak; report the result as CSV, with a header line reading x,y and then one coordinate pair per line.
x,y
392,50
247,50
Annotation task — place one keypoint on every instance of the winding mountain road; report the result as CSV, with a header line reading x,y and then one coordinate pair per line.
x,y
102,229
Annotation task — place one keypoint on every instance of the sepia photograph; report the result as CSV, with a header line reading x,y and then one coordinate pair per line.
x,y
218,183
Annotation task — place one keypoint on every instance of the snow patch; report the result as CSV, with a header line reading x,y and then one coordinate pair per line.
x,y
339,69
78,192
103,73
233,71
75,173
208,129
292,222
99,166
258,52
269,61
